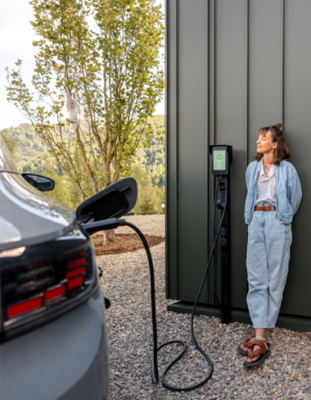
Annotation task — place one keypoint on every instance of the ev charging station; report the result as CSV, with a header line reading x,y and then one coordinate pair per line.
x,y
221,160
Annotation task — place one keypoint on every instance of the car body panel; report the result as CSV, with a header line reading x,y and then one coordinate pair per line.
x,y
51,361
65,357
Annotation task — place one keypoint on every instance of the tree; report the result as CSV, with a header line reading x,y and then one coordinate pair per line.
x,y
146,205
110,81
149,197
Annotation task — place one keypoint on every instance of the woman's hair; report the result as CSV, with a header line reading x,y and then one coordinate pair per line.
x,y
281,152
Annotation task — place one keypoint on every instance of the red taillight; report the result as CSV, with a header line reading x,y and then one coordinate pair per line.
x,y
76,263
30,286
76,282
25,306
55,293
75,272
75,278
45,281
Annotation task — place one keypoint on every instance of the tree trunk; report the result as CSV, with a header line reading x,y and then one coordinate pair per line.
x,y
107,174
108,237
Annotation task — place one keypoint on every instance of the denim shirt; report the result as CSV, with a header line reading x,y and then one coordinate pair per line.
x,y
288,191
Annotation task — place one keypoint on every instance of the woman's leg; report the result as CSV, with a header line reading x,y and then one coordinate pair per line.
x,y
257,271
257,274
278,242
278,253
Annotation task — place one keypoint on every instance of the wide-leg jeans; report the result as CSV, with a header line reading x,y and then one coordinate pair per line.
x,y
268,253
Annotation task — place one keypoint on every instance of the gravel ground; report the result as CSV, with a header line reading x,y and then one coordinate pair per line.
x,y
286,374
148,224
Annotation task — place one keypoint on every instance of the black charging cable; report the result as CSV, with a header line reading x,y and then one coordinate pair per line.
x,y
155,373
114,223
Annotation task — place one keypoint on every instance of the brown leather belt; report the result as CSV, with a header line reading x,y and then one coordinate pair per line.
x,y
265,208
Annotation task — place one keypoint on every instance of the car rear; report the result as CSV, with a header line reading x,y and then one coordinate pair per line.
x,y
53,338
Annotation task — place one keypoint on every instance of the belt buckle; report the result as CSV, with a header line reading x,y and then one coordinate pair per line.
x,y
271,208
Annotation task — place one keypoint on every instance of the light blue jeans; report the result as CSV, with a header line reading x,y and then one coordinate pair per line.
x,y
268,253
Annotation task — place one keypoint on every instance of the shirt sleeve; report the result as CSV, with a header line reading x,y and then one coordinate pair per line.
x,y
247,177
295,192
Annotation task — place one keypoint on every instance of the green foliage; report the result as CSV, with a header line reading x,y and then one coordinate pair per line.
x,y
146,205
148,168
149,198
64,191
111,77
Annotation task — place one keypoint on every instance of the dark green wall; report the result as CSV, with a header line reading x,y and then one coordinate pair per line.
x,y
232,67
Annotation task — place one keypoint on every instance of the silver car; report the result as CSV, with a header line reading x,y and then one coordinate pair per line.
x,y
52,324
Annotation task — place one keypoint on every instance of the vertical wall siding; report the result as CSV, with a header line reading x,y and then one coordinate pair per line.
x,y
211,74
233,66
297,126
171,123
231,120
265,67
192,146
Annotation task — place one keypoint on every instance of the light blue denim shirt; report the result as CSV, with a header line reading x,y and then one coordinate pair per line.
x,y
288,191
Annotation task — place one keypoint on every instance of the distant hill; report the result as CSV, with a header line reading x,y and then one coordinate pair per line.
x,y
28,144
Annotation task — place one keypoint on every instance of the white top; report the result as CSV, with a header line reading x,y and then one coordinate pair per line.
x,y
266,186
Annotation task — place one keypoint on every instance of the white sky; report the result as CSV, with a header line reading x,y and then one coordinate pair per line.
x,y
16,37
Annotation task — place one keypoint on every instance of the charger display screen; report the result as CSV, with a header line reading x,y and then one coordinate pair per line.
x,y
219,158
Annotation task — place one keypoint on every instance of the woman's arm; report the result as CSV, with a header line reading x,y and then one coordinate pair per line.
x,y
294,191
247,176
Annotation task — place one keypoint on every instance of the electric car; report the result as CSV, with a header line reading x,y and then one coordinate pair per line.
x,y
53,336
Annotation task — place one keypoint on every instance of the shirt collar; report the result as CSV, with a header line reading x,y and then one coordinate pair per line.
x,y
262,171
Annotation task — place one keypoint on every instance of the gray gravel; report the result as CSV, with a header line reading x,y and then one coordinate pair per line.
x,y
286,374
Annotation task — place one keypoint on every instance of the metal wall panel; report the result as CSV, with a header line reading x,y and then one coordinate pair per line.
x,y
297,125
265,69
231,122
232,67
192,146
171,149
265,100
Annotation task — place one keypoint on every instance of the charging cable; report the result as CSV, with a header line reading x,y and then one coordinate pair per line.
x,y
114,223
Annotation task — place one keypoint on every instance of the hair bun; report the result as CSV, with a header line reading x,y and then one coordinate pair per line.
x,y
278,125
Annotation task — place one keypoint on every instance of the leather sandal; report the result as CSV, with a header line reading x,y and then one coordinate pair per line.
x,y
263,352
247,343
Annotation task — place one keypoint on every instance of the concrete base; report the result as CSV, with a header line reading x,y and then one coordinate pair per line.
x,y
300,324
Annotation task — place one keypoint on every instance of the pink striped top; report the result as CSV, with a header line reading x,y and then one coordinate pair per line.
x,y
266,186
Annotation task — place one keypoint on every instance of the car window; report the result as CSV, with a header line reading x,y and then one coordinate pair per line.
x,y
6,160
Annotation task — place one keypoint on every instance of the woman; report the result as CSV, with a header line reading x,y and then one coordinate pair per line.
x,y
273,197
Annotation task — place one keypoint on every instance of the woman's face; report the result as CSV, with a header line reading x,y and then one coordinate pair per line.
x,y
265,144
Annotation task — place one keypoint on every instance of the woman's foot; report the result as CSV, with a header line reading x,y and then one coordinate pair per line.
x,y
253,354
259,333
244,345
257,354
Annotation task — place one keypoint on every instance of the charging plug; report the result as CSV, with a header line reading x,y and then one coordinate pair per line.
x,y
105,225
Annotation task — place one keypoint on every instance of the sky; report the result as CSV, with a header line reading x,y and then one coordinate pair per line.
x,y
16,37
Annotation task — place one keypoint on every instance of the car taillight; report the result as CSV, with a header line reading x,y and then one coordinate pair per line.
x,y
24,307
44,282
